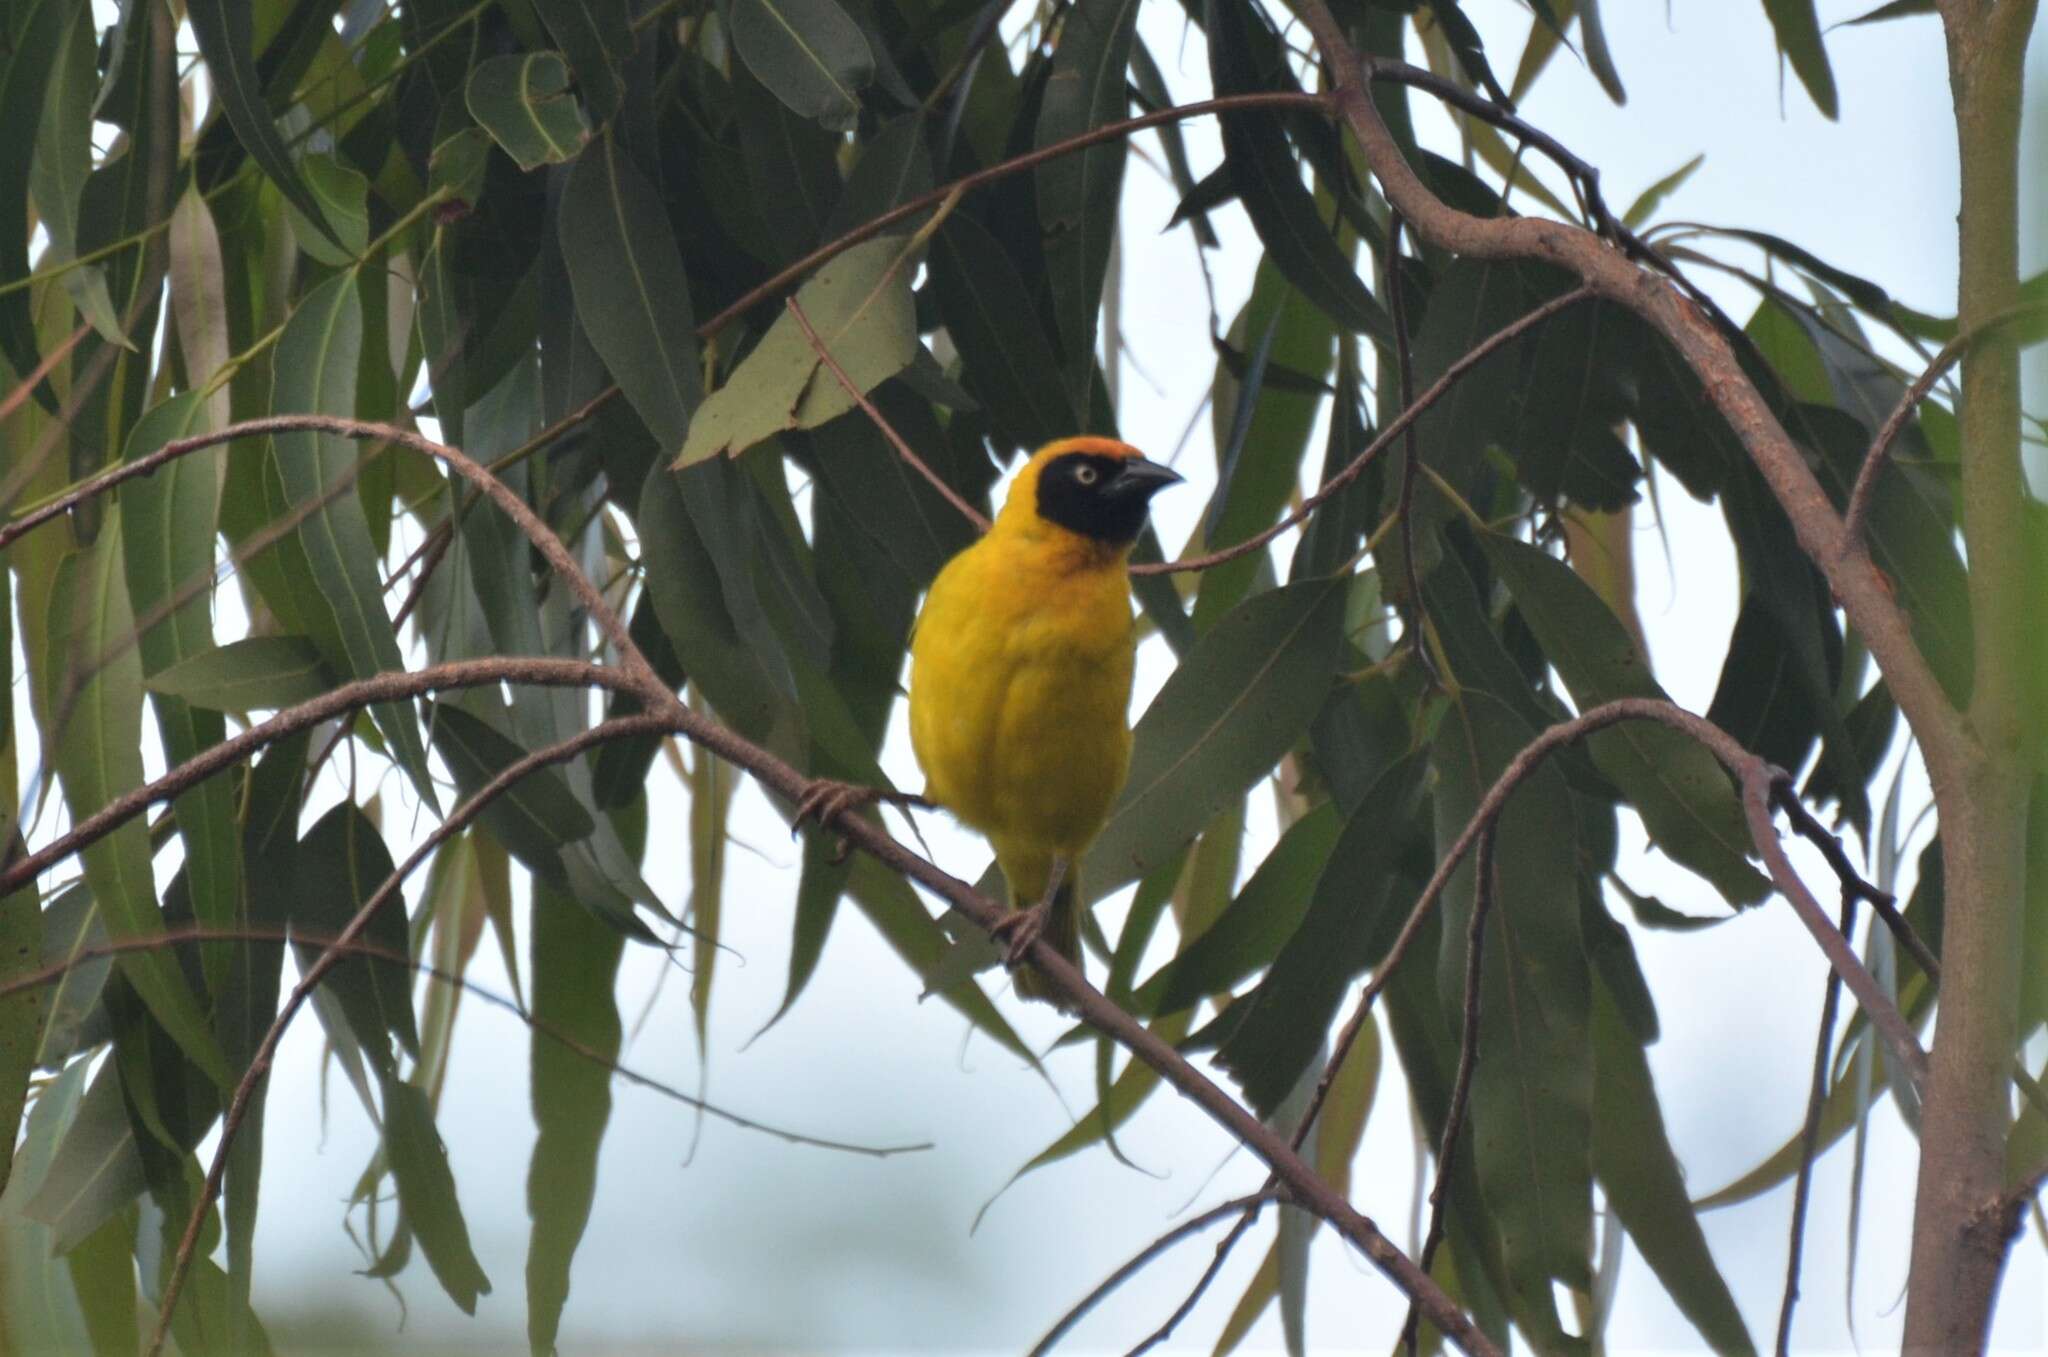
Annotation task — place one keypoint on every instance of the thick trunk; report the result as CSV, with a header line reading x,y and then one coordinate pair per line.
x,y
1959,1243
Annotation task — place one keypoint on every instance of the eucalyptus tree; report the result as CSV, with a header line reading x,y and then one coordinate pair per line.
x,y
389,380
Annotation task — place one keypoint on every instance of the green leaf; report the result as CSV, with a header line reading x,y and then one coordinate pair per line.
x,y
1261,457
1598,58
224,29
103,1273
1645,1186
1798,30
1650,199
1274,1032
95,1170
523,101
1126,1095
343,195
537,816
597,39
1532,1083
426,1193
1238,702
169,521
341,862
21,1015
861,307
1685,797
792,169
892,907
95,687
1897,9
1268,180
1079,194
339,595
1254,926
1008,360
575,965
632,295
63,160
684,587
809,52
36,28
257,673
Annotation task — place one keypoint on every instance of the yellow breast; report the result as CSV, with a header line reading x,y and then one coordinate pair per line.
x,y
1020,690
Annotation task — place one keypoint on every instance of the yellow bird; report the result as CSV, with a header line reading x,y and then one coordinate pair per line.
x,y
1020,676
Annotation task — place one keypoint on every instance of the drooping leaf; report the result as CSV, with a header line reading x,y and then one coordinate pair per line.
x,y
1361,896
1897,9
1239,701
1601,61
426,1193
810,52
95,687
95,1170
1645,1187
1532,1084
36,27
1255,925
1282,209
342,862
860,306
1798,30
63,159
1010,364
575,962
1684,796
338,593
225,30
632,296
523,100
1079,195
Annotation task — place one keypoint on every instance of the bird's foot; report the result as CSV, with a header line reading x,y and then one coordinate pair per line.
x,y
1019,929
824,799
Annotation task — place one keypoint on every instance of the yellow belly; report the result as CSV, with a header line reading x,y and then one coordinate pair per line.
x,y
1020,690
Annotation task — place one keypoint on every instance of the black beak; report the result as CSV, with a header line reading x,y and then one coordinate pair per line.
x,y
1143,479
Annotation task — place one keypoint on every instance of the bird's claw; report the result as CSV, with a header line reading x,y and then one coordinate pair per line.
x,y
1018,930
824,799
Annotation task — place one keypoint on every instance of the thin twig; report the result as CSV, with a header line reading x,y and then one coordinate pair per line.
x,y
881,421
1809,827
358,949
1468,1060
1809,1134
1201,1286
1400,425
1192,1226
1856,517
1114,131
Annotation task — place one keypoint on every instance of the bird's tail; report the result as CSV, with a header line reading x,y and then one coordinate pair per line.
x,y
1062,933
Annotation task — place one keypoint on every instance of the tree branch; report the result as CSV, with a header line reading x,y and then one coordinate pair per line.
x,y
1855,579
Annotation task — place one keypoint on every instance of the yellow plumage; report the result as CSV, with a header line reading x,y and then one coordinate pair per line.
x,y
1020,680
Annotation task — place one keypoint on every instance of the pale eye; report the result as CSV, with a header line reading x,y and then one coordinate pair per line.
x,y
1087,475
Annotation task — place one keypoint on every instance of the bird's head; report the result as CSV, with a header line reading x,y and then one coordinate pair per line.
x,y
1096,487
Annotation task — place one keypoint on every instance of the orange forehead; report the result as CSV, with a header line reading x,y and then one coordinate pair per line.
x,y
1101,447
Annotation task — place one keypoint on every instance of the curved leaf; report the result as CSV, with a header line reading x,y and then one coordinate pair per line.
x,y
523,101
